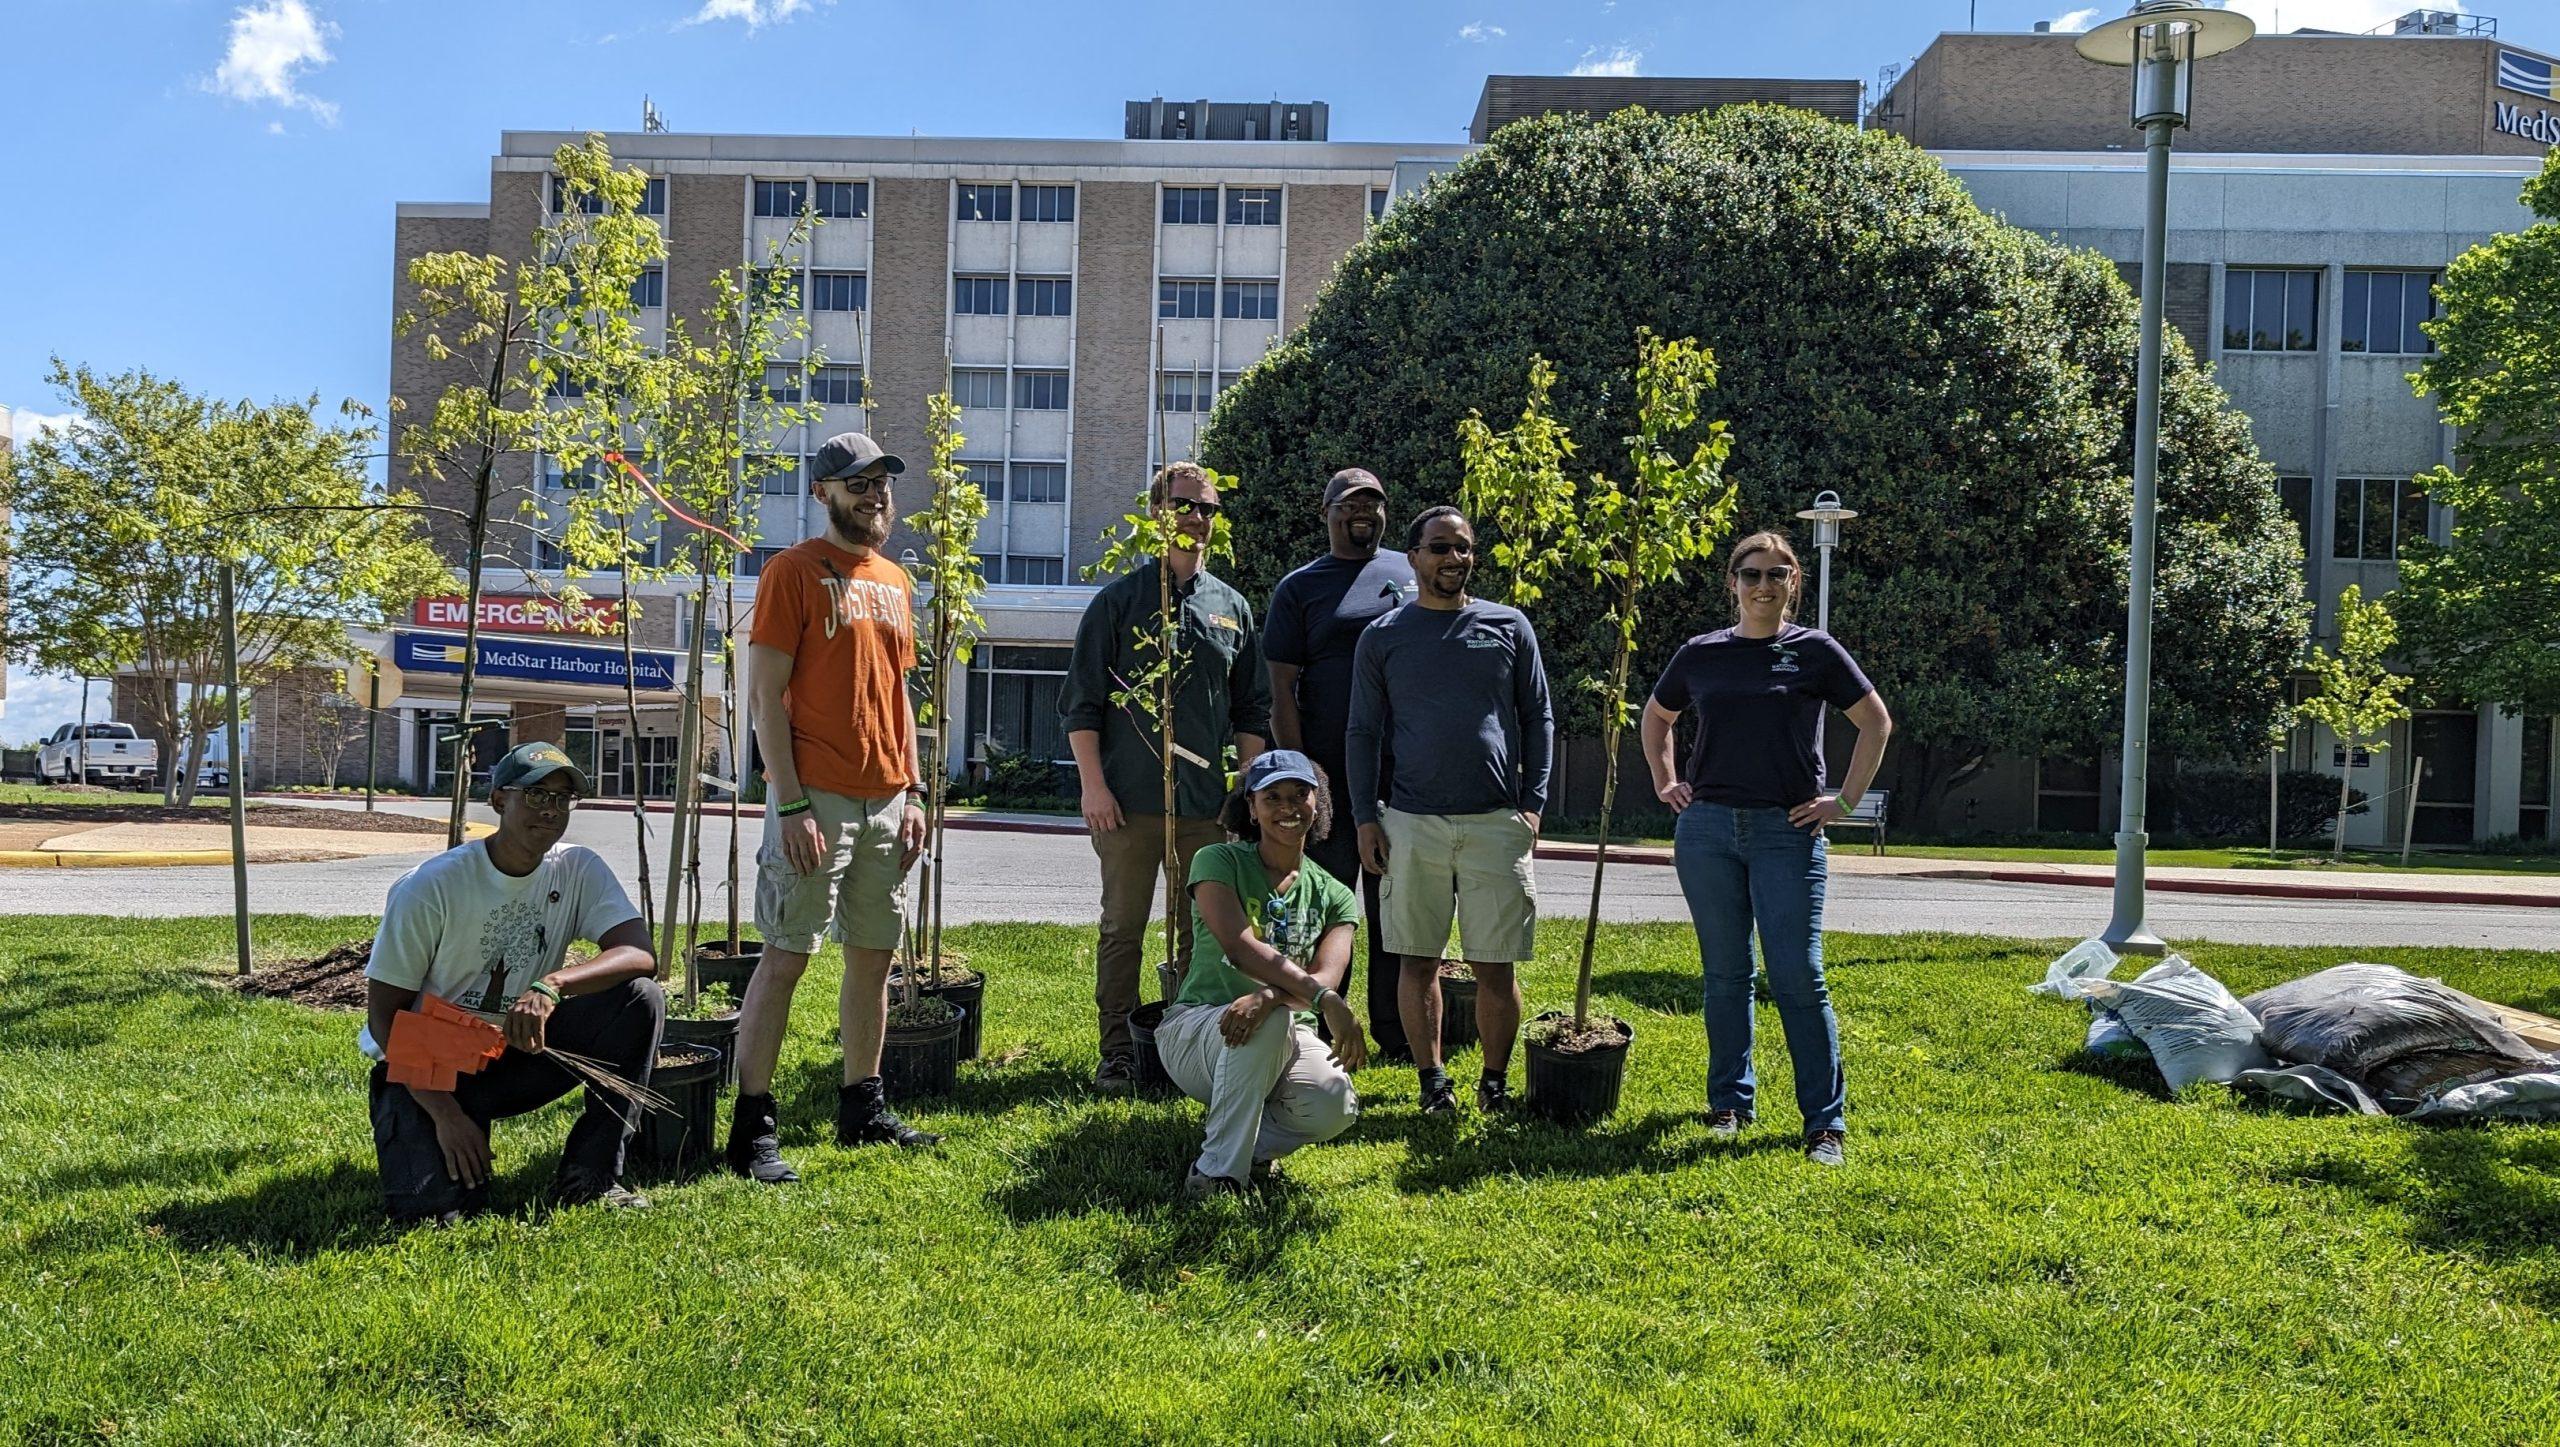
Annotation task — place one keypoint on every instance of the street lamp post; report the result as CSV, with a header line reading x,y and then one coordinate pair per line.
x,y
2160,41
1826,515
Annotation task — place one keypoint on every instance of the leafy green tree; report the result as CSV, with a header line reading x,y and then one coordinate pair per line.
x,y
1967,385
1616,539
2360,697
953,576
2482,613
119,527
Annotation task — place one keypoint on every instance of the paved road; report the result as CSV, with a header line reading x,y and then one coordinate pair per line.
x,y
1053,877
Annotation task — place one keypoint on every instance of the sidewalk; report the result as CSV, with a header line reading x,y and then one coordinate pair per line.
x,y
94,846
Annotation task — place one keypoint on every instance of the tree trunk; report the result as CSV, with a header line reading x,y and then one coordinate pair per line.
x,y
1609,726
688,741
478,541
740,740
2338,842
631,715
1167,634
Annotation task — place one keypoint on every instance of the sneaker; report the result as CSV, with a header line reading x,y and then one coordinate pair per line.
x,y
1493,1093
863,1118
1116,1075
1439,1096
1826,1148
1197,1187
755,1143
579,1187
1724,1125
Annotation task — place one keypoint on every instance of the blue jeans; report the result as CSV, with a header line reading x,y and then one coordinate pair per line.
x,y
1745,867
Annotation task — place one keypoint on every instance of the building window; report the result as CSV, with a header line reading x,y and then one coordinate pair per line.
x,y
1044,296
2270,311
844,200
1039,482
782,383
989,202
1185,300
986,477
1184,392
773,288
1190,205
978,296
977,387
1377,203
1028,572
2067,792
1253,205
839,291
2296,494
653,197
1252,301
2384,309
757,558
590,202
1048,203
1013,697
548,555
836,384
582,478
782,198
649,288
2533,818
564,387
773,475
1040,391
2376,517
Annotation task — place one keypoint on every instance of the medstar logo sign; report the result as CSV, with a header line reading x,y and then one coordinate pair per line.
x,y
2538,125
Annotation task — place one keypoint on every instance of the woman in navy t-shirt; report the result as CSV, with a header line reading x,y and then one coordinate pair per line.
x,y
1749,845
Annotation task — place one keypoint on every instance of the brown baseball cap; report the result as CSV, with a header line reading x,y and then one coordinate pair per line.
x,y
1350,480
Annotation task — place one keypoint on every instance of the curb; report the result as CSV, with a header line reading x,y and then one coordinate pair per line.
x,y
2268,890
167,858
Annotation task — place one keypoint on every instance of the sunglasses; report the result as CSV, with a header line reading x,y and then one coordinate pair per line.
x,y
548,801
1197,507
1444,548
1750,577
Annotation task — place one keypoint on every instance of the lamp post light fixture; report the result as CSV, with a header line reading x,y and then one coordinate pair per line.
x,y
2160,41
1826,515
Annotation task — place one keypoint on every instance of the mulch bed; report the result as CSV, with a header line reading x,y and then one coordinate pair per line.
x,y
334,981
268,816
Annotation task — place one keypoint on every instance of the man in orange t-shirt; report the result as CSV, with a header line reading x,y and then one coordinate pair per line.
x,y
827,661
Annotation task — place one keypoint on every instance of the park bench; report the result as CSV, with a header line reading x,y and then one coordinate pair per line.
x,y
1870,814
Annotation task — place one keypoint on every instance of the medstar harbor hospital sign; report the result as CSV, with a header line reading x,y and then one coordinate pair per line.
x,y
565,663
2534,76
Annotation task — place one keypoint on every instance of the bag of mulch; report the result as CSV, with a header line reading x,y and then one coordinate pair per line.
x,y
2112,1039
2065,978
2357,1018
2534,1095
2194,1028
2422,1073
2311,1089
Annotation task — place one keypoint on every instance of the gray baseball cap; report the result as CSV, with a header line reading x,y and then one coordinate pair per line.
x,y
531,763
848,453
1350,480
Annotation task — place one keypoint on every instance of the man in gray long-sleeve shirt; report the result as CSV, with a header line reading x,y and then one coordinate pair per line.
x,y
1451,689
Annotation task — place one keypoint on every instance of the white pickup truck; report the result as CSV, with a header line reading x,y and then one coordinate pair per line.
x,y
114,754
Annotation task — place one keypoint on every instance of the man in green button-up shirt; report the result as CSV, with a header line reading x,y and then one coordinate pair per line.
x,y
1221,694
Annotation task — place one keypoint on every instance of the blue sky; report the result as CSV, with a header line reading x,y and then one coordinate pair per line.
x,y
205,187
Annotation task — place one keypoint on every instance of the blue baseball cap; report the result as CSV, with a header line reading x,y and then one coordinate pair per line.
x,y
1275,765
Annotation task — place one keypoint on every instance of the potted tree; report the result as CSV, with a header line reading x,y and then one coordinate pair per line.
x,y
952,574
1618,539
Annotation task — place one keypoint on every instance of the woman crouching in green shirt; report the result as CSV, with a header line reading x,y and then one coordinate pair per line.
x,y
1270,929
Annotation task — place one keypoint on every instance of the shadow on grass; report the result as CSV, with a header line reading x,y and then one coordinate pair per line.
x,y
138,1165
332,1206
58,1001
1441,1155
1132,1164
2134,1073
1665,992
2489,1193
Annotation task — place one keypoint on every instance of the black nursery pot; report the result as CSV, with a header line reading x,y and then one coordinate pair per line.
x,y
1578,1088
1143,1024
720,1032
922,1060
1457,1014
722,965
970,994
688,1075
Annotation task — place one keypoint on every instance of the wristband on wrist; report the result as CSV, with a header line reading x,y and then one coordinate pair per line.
x,y
546,989
796,806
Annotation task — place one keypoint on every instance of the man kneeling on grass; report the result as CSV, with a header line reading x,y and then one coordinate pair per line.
x,y
1271,930
486,927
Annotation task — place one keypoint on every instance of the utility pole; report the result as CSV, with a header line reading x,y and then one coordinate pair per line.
x,y
231,746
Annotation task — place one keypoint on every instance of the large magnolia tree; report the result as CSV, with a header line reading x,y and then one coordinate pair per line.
x,y
1966,385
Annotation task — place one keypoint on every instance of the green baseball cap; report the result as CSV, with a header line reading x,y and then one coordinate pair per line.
x,y
528,763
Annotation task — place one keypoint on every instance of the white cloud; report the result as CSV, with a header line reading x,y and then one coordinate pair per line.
x,y
756,13
1616,60
28,426
1479,32
273,43
40,702
2072,22
2353,17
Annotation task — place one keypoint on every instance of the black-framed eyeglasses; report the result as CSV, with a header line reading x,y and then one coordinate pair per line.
x,y
548,801
1750,577
1199,507
1444,548
864,484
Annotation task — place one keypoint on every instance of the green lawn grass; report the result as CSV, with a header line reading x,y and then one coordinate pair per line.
x,y
116,799
2024,1246
2357,861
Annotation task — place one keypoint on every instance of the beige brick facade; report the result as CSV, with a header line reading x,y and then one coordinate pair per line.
x,y
1114,394
2287,94
1324,223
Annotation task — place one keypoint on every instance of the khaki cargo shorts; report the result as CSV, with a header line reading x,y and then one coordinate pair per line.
x,y
1475,866
858,895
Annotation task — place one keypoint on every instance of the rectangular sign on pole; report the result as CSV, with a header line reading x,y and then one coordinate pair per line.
x,y
575,664
521,613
